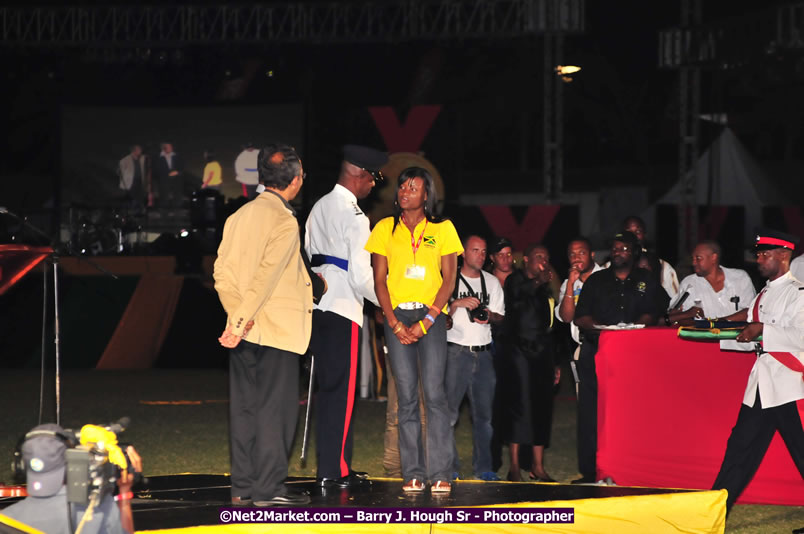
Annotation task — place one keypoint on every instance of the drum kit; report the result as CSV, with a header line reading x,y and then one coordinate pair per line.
x,y
126,229
103,231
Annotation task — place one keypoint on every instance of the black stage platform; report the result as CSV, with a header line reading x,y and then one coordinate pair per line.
x,y
192,500
193,503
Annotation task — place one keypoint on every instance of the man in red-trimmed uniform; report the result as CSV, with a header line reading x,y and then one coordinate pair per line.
x,y
776,381
336,232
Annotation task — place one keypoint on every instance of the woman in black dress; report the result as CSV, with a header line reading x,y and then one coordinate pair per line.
x,y
532,374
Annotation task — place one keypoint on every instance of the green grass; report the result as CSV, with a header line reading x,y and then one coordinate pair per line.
x,y
193,438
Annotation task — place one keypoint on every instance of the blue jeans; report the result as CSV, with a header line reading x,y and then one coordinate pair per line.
x,y
472,373
425,359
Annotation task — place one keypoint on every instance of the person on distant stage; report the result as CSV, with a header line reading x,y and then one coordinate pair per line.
x,y
167,171
470,363
132,171
246,171
667,275
336,232
713,291
46,508
212,176
414,257
623,293
776,381
265,287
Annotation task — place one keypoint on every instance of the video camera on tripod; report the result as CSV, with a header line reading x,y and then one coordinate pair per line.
x,y
93,459
95,464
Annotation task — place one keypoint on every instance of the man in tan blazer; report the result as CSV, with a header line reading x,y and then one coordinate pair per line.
x,y
266,290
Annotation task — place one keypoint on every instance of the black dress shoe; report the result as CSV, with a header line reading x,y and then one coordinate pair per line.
x,y
349,481
584,480
289,498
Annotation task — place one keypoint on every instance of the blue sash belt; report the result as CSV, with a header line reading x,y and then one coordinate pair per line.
x,y
321,259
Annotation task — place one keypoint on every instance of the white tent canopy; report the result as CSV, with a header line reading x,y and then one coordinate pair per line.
x,y
727,175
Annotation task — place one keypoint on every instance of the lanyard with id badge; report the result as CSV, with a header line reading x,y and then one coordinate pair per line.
x,y
413,271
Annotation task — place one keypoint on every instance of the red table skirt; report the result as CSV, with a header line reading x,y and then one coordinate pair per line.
x,y
666,408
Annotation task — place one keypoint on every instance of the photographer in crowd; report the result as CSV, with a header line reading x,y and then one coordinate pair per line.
x,y
477,302
46,507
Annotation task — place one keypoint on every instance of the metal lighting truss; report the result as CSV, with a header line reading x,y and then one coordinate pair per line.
x,y
319,22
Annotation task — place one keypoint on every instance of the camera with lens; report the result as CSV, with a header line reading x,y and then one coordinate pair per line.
x,y
481,313
89,462
96,463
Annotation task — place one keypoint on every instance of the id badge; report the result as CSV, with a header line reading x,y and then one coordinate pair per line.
x,y
415,272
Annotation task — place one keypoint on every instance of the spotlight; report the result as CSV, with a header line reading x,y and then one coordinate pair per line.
x,y
564,70
184,233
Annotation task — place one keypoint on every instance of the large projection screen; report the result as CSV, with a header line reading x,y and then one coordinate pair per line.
x,y
94,139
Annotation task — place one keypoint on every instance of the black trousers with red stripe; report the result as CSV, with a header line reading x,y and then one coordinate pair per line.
x,y
335,344
749,441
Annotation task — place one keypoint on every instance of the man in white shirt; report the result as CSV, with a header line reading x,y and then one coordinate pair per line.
x,y
776,381
246,171
713,291
336,232
582,265
478,300
797,268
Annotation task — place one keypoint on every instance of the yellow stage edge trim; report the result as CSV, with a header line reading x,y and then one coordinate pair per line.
x,y
695,512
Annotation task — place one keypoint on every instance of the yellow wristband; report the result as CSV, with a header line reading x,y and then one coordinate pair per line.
x,y
421,324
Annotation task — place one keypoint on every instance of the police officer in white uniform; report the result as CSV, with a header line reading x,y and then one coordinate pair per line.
x,y
336,232
776,381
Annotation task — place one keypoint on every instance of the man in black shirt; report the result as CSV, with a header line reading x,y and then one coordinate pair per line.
x,y
622,293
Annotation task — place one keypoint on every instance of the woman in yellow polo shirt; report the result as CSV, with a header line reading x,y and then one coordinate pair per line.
x,y
414,254
212,172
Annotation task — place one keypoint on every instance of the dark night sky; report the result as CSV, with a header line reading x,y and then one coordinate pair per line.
x,y
621,110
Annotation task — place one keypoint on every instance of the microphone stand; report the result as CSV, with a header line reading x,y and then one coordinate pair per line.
x,y
55,245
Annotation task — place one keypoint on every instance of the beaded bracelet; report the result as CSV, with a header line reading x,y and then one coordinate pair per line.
x,y
421,324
